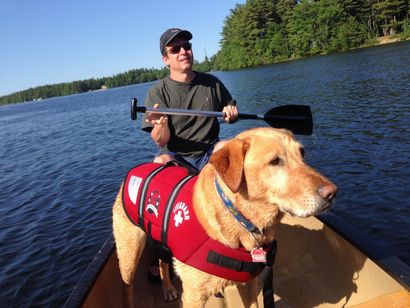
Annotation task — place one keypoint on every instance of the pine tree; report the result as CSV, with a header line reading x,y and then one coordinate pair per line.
x,y
389,13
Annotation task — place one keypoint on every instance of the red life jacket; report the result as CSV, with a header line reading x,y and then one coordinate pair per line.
x,y
158,198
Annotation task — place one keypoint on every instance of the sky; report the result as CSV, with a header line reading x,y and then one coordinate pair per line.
x,y
53,41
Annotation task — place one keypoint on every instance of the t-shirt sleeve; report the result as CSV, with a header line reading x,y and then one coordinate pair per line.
x,y
226,98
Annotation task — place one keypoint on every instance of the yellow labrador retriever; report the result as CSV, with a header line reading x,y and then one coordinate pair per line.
x,y
262,174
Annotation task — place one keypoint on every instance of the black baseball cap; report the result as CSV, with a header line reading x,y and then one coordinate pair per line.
x,y
170,34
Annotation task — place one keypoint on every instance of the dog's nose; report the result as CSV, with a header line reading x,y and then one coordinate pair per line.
x,y
328,191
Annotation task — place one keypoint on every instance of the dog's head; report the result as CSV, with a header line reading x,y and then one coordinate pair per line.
x,y
266,165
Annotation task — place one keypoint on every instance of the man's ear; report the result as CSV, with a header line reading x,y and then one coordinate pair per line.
x,y
165,59
228,162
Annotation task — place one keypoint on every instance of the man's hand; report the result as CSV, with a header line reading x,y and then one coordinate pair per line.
x,y
231,113
156,118
160,132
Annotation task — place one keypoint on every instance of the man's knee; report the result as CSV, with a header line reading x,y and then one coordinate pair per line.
x,y
163,159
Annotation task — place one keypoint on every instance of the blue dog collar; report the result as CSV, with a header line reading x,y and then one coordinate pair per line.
x,y
235,212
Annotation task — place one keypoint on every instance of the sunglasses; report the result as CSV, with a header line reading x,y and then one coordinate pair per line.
x,y
177,48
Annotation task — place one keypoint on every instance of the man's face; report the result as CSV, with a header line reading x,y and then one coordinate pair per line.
x,y
178,55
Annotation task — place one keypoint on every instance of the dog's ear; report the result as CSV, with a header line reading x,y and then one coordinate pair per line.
x,y
228,162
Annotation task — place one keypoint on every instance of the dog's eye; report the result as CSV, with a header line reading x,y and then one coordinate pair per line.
x,y
274,161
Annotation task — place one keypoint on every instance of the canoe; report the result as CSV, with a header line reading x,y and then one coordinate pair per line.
x,y
321,262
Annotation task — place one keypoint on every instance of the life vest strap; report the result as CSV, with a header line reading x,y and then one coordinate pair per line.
x,y
145,185
168,208
233,264
159,250
242,266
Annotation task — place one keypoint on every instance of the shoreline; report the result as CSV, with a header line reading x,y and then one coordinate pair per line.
x,y
388,39
382,40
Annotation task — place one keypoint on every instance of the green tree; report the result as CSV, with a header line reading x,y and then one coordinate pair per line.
x,y
233,47
252,34
350,34
284,9
389,13
322,26
302,30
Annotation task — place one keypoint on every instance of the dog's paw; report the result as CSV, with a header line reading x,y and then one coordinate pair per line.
x,y
170,293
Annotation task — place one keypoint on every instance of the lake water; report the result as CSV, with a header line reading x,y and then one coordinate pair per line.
x,y
63,160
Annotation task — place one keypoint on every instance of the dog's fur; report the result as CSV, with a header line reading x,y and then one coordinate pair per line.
x,y
263,172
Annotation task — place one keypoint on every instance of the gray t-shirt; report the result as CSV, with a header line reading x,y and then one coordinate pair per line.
x,y
190,135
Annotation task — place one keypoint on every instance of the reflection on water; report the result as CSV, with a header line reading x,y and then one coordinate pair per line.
x,y
63,159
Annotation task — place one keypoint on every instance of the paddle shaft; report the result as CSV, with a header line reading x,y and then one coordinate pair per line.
x,y
205,113
297,118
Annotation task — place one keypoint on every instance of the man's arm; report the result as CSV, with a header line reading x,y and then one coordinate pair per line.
x,y
156,124
160,132
228,103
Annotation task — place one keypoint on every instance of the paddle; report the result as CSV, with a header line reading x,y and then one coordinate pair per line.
x,y
297,118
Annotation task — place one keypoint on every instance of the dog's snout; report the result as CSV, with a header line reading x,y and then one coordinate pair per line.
x,y
328,191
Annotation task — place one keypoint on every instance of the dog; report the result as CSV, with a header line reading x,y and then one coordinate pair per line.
x,y
262,174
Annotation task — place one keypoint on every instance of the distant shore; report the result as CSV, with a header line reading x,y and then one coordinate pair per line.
x,y
377,41
388,39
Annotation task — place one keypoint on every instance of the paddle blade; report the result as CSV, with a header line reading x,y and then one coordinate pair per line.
x,y
296,118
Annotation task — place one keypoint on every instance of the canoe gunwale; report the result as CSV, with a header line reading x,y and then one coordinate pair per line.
x,y
87,280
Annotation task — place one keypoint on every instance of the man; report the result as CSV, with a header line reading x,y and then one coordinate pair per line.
x,y
188,140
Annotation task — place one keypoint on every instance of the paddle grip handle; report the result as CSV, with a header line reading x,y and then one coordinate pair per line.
x,y
135,108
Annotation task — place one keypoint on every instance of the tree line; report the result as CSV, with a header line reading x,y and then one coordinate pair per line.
x,y
66,88
263,32
130,77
